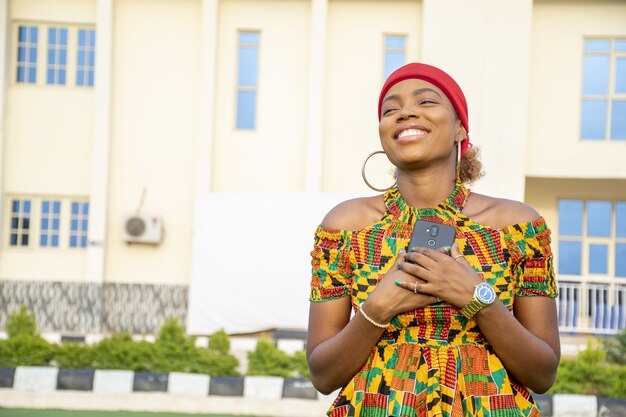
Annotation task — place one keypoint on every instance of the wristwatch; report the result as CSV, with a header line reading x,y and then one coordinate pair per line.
x,y
484,295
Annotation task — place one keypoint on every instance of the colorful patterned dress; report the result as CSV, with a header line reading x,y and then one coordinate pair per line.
x,y
433,361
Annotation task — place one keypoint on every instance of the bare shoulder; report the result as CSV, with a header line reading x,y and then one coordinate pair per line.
x,y
498,212
355,214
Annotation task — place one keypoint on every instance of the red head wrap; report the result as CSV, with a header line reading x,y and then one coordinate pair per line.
x,y
438,78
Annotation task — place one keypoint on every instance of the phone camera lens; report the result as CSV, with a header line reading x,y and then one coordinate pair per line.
x,y
431,242
433,231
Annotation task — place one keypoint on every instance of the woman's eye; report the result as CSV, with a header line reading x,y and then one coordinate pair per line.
x,y
389,110
428,101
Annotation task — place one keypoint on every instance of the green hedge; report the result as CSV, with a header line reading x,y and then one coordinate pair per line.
x,y
172,351
598,370
266,359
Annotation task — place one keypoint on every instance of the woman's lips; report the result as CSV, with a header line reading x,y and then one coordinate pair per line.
x,y
410,133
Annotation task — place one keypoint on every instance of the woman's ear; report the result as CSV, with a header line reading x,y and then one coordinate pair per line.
x,y
461,133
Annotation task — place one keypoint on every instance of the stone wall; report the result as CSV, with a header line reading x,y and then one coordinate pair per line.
x,y
88,308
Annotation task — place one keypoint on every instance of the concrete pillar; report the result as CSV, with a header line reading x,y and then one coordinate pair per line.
x,y
101,142
314,144
485,46
4,82
206,106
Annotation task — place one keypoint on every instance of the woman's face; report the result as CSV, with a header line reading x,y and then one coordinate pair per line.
x,y
418,125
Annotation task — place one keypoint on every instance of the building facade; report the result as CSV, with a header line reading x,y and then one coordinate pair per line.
x,y
215,123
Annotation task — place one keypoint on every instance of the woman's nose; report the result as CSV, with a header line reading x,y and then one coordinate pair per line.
x,y
408,111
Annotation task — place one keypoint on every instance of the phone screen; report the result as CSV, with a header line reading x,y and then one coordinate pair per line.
x,y
432,235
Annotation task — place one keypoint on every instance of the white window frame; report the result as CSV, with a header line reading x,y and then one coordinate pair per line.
x,y
586,240
71,65
611,96
393,49
34,238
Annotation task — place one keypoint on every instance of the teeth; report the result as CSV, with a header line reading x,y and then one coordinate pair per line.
x,y
411,132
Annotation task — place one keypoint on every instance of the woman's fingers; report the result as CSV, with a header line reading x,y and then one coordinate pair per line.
x,y
416,287
456,254
427,258
410,265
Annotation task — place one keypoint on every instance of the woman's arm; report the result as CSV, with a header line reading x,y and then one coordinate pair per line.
x,y
527,343
337,347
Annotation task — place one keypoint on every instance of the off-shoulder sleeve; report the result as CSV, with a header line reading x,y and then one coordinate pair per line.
x,y
531,258
331,264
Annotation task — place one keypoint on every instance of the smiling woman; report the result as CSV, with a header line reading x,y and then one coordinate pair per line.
x,y
420,331
21,412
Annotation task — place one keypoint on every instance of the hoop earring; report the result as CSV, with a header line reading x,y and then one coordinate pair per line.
x,y
458,161
365,177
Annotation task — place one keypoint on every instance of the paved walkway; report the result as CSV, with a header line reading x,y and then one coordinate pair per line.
x,y
77,400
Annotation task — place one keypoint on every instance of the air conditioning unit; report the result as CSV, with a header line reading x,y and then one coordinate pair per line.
x,y
142,229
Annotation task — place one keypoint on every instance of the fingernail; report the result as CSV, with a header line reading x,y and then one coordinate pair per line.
x,y
398,282
412,248
399,262
447,248
401,250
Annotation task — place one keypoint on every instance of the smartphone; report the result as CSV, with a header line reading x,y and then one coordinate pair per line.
x,y
431,235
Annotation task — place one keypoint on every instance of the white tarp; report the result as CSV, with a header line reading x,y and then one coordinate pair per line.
x,y
251,263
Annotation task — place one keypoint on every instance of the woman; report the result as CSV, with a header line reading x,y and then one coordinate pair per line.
x,y
425,339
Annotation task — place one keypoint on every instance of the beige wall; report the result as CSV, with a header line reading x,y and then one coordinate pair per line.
x,y
554,145
270,157
65,11
497,52
46,142
354,76
155,78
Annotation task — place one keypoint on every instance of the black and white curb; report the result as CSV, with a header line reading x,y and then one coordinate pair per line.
x,y
38,379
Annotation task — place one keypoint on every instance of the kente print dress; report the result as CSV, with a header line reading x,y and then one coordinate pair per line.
x,y
433,361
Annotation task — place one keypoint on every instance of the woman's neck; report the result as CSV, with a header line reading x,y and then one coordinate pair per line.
x,y
425,190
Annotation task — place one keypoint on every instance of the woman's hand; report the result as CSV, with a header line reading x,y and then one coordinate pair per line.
x,y
436,273
390,299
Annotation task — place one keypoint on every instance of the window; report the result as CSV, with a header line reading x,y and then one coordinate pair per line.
x,y
57,55
395,53
61,45
86,59
27,54
79,224
247,79
592,237
603,114
20,222
50,223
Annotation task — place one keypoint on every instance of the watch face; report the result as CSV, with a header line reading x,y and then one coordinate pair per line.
x,y
485,293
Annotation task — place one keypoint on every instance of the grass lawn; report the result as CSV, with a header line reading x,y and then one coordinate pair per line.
x,y
21,412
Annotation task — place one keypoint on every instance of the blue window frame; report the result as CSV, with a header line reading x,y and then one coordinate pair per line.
x,y
247,79
20,222
50,223
603,108
591,234
79,224
86,57
57,56
27,54
395,53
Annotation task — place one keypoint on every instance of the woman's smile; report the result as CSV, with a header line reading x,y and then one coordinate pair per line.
x,y
410,133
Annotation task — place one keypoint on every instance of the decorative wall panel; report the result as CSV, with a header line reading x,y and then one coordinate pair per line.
x,y
81,308
142,309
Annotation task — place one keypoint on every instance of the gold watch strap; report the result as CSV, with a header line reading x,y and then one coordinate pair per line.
x,y
472,308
